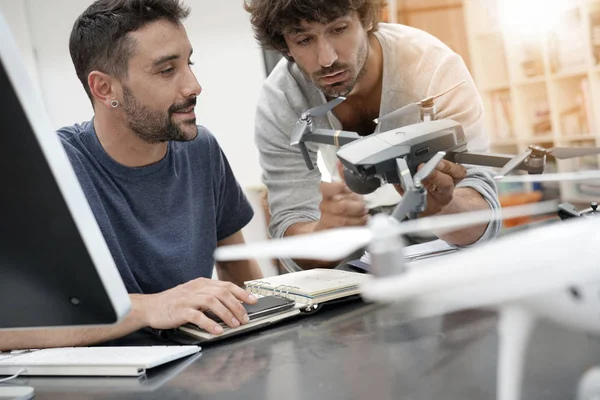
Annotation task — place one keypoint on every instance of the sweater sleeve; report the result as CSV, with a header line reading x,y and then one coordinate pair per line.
x,y
464,105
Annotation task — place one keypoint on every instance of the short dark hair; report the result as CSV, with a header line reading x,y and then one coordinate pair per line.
x,y
272,18
100,38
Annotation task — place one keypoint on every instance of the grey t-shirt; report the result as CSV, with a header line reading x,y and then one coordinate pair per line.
x,y
161,222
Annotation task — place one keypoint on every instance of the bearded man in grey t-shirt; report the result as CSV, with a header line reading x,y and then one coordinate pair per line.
x,y
337,48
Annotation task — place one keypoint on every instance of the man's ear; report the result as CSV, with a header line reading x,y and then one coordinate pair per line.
x,y
102,88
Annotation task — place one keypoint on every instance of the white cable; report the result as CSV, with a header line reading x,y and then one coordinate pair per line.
x,y
10,378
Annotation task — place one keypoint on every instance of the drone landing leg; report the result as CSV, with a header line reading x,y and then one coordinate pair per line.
x,y
514,329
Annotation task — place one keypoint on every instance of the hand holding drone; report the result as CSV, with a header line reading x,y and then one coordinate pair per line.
x,y
370,161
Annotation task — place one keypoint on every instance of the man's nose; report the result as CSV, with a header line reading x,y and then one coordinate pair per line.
x,y
327,54
191,87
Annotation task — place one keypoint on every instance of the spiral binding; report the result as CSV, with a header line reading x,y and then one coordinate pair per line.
x,y
280,290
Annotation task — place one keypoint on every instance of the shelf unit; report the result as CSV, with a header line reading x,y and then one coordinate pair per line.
x,y
540,88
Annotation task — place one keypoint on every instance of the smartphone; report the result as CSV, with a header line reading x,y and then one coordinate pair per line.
x,y
265,306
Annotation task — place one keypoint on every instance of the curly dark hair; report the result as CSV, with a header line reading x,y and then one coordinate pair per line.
x,y
99,38
271,19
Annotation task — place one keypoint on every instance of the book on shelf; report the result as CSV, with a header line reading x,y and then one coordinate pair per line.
x,y
578,119
540,116
586,100
594,19
502,115
567,45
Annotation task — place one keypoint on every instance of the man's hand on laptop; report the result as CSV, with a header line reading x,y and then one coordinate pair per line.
x,y
184,304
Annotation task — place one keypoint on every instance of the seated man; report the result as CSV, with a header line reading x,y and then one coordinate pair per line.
x,y
335,48
160,187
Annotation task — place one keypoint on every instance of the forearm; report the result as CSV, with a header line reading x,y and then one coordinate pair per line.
x,y
465,200
301,228
239,272
72,337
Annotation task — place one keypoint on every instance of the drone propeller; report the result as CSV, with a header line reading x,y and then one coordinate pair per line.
x,y
512,164
428,168
561,153
560,177
415,107
318,111
335,244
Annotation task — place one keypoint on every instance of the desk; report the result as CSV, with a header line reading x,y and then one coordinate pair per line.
x,y
356,351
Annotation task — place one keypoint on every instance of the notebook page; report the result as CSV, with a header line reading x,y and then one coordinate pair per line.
x,y
313,282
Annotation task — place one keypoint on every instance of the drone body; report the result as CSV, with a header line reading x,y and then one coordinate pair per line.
x,y
375,155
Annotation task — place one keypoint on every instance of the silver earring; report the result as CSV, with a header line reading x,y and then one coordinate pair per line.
x,y
114,103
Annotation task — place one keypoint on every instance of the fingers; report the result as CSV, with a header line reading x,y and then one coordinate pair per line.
x,y
340,170
456,171
231,303
439,184
198,318
351,205
329,190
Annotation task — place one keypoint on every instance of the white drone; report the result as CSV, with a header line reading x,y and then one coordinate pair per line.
x,y
525,276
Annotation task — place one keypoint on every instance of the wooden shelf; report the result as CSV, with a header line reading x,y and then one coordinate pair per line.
x,y
567,100
497,87
531,81
575,138
527,140
504,142
569,74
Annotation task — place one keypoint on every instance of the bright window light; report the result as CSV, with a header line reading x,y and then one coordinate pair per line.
x,y
530,17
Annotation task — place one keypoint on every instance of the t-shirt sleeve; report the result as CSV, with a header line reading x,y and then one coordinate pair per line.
x,y
233,208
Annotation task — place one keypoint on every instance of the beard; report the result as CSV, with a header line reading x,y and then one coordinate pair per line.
x,y
155,126
345,87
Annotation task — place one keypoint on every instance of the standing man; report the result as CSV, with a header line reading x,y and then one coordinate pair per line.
x,y
160,187
335,48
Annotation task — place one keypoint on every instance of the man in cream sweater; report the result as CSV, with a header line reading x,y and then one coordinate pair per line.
x,y
337,48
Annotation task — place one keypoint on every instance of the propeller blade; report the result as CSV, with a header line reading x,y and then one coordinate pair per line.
x,y
512,164
329,245
404,173
565,176
299,131
323,109
428,168
571,152
449,90
447,223
407,109
335,244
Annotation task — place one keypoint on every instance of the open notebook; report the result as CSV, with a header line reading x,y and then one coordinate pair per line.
x,y
311,286
305,288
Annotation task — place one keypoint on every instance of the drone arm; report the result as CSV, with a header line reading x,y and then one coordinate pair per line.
x,y
306,156
489,160
413,201
328,136
514,329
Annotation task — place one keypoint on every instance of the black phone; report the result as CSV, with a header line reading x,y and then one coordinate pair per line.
x,y
265,306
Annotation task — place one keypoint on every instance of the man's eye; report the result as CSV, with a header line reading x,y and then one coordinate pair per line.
x,y
303,41
340,29
167,71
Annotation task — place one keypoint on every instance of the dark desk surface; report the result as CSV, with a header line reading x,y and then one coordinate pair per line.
x,y
355,352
